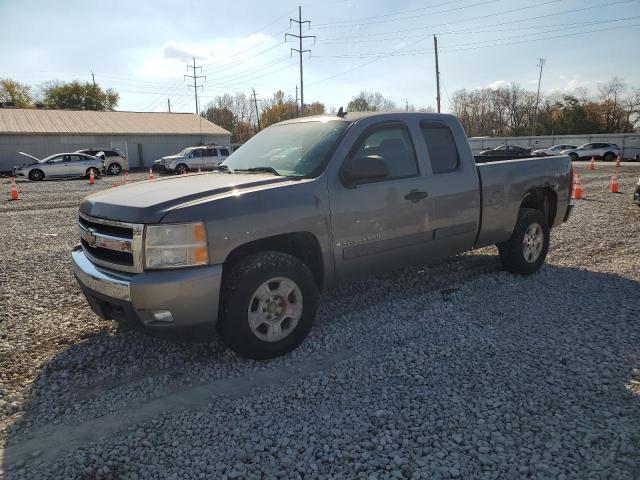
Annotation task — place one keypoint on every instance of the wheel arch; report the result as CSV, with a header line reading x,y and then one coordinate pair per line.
x,y
302,245
544,199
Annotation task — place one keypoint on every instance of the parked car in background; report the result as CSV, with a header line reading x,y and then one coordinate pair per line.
x,y
114,160
636,194
555,150
205,157
606,151
507,151
59,165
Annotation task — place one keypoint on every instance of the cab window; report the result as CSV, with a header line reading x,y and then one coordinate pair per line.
x,y
441,145
393,143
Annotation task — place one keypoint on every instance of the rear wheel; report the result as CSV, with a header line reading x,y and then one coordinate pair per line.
x,y
181,168
574,157
527,248
36,175
269,305
608,157
114,169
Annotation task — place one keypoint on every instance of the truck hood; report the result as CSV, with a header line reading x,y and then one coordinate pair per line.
x,y
151,200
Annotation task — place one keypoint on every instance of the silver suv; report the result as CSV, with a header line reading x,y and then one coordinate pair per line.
x,y
205,157
606,151
113,159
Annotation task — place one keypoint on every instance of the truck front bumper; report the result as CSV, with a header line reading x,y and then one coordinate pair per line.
x,y
156,300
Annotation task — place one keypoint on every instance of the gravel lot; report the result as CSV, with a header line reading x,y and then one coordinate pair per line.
x,y
458,370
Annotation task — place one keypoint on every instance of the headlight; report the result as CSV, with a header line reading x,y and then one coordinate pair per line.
x,y
176,245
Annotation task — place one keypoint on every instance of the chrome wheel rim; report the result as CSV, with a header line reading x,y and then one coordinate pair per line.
x,y
114,169
532,242
275,309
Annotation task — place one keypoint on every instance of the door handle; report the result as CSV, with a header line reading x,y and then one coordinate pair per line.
x,y
416,195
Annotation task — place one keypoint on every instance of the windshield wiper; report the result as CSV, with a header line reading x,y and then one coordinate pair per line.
x,y
259,170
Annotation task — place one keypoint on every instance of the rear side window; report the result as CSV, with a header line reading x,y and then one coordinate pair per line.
x,y
224,152
441,146
111,153
212,152
196,153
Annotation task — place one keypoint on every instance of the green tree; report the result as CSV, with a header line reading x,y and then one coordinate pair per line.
x,y
370,102
79,96
16,93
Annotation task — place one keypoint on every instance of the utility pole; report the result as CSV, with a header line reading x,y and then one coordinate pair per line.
x,y
300,51
255,102
406,104
534,120
297,108
195,77
435,46
169,104
93,78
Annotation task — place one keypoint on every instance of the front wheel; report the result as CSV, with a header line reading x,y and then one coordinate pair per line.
x,y
181,168
527,248
608,157
36,175
269,305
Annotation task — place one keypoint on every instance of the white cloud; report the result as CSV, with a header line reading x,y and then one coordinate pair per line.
x,y
171,58
497,84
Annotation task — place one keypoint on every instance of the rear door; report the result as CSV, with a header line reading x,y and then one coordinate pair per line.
x,y
79,164
453,188
195,159
210,160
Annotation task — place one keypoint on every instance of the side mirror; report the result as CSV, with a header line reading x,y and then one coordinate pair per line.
x,y
359,169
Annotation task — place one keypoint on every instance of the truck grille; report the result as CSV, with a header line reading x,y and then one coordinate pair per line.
x,y
111,244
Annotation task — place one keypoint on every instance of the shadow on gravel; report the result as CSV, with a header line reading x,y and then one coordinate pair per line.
x,y
596,325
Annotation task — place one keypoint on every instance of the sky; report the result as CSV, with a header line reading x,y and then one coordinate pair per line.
x,y
141,49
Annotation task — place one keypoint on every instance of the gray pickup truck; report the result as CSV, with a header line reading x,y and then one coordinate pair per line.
x,y
305,205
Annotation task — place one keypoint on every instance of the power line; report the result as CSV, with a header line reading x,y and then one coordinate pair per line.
x,y
508,22
353,24
195,77
300,50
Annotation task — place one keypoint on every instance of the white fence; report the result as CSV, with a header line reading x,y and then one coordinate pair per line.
x,y
628,142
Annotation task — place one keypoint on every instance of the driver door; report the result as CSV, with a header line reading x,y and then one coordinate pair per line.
x,y
58,166
372,221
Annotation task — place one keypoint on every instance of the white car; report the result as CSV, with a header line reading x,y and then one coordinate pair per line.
x,y
606,151
193,158
59,165
555,150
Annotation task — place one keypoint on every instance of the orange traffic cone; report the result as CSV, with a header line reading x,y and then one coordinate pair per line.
x,y
577,188
151,175
115,185
126,176
592,163
618,161
92,178
14,189
614,182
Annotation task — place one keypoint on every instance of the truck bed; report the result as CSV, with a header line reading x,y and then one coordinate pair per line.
x,y
503,184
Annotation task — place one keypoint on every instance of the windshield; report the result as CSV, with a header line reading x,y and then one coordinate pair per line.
x,y
44,160
185,152
293,150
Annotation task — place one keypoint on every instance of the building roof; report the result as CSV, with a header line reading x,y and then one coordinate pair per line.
x,y
85,122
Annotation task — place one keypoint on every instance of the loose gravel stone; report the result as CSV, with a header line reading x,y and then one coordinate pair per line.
x,y
456,370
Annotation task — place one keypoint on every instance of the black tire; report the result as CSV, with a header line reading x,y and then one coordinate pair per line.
x,y
36,175
242,282
181,168
96,172
574,157
114,169
608,157
512,255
